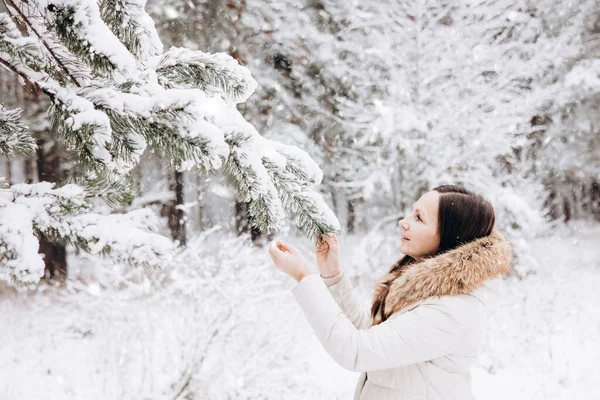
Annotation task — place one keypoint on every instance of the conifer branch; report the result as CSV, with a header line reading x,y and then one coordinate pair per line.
x,y
132,25
212,73
15,140
26,21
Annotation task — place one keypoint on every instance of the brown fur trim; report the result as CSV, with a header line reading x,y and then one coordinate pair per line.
x,y
457,271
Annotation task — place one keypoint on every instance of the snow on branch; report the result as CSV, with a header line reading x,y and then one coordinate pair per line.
x,y
79,26
84,129
20,54
23,49
129,21
173,122
245,171
311,213
15,139
213,73
20,263
278,176
64,215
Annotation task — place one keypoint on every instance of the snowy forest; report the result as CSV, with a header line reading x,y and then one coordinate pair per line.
x,y
150,150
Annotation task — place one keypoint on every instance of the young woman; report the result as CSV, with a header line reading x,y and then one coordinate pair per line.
x,y
425,327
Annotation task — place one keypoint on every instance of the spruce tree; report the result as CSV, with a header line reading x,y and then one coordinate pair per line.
x,y
114,92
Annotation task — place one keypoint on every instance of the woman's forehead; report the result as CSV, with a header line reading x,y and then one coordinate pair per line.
x,y
428,202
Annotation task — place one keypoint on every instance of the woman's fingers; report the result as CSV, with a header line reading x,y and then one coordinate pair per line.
x,y
322,245
330,240
280,256
284,246
326,243
274,249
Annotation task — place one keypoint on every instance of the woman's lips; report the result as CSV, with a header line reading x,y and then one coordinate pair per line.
x,y
405,239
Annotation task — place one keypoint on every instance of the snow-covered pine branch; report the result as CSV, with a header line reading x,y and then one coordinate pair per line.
x,y
64,215
15,140
130,22
79,27
15,49
113,95
212,73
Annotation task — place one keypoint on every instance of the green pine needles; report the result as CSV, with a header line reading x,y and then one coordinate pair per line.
x,y
114,93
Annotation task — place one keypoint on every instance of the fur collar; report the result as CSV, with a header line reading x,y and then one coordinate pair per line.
x,y
458,271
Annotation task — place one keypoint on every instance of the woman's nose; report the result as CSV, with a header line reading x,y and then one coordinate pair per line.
x,y
401,224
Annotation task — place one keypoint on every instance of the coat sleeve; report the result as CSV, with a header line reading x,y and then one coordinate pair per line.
x,y
345,296
426,332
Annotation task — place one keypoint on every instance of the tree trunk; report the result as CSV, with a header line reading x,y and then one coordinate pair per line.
x,y
28,170
55,260
9,171
242,222
595,199
174,210
351,221
566,208
200,192
48,165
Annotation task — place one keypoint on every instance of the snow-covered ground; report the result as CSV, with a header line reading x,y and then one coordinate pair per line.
x,y
544,339
229,316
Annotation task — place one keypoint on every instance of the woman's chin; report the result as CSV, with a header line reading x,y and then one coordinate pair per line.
x,y
403,248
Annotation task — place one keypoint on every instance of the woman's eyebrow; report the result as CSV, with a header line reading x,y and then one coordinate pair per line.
x,y
419,210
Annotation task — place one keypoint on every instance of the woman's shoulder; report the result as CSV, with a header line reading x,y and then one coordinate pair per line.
x,y
455,302
454,314
470,307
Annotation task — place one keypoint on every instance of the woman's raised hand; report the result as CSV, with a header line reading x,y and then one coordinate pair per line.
x,y
289,259
327,256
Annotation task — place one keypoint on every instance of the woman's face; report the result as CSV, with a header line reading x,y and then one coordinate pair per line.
x,y
419,228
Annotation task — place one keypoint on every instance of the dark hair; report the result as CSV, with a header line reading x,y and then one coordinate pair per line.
x,y
463,216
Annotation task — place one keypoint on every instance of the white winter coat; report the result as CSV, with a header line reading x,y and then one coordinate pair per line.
x,y
424,349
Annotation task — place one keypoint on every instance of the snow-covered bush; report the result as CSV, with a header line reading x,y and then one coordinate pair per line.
x,y
222,324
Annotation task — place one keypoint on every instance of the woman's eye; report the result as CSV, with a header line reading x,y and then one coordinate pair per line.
x,y
419,218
